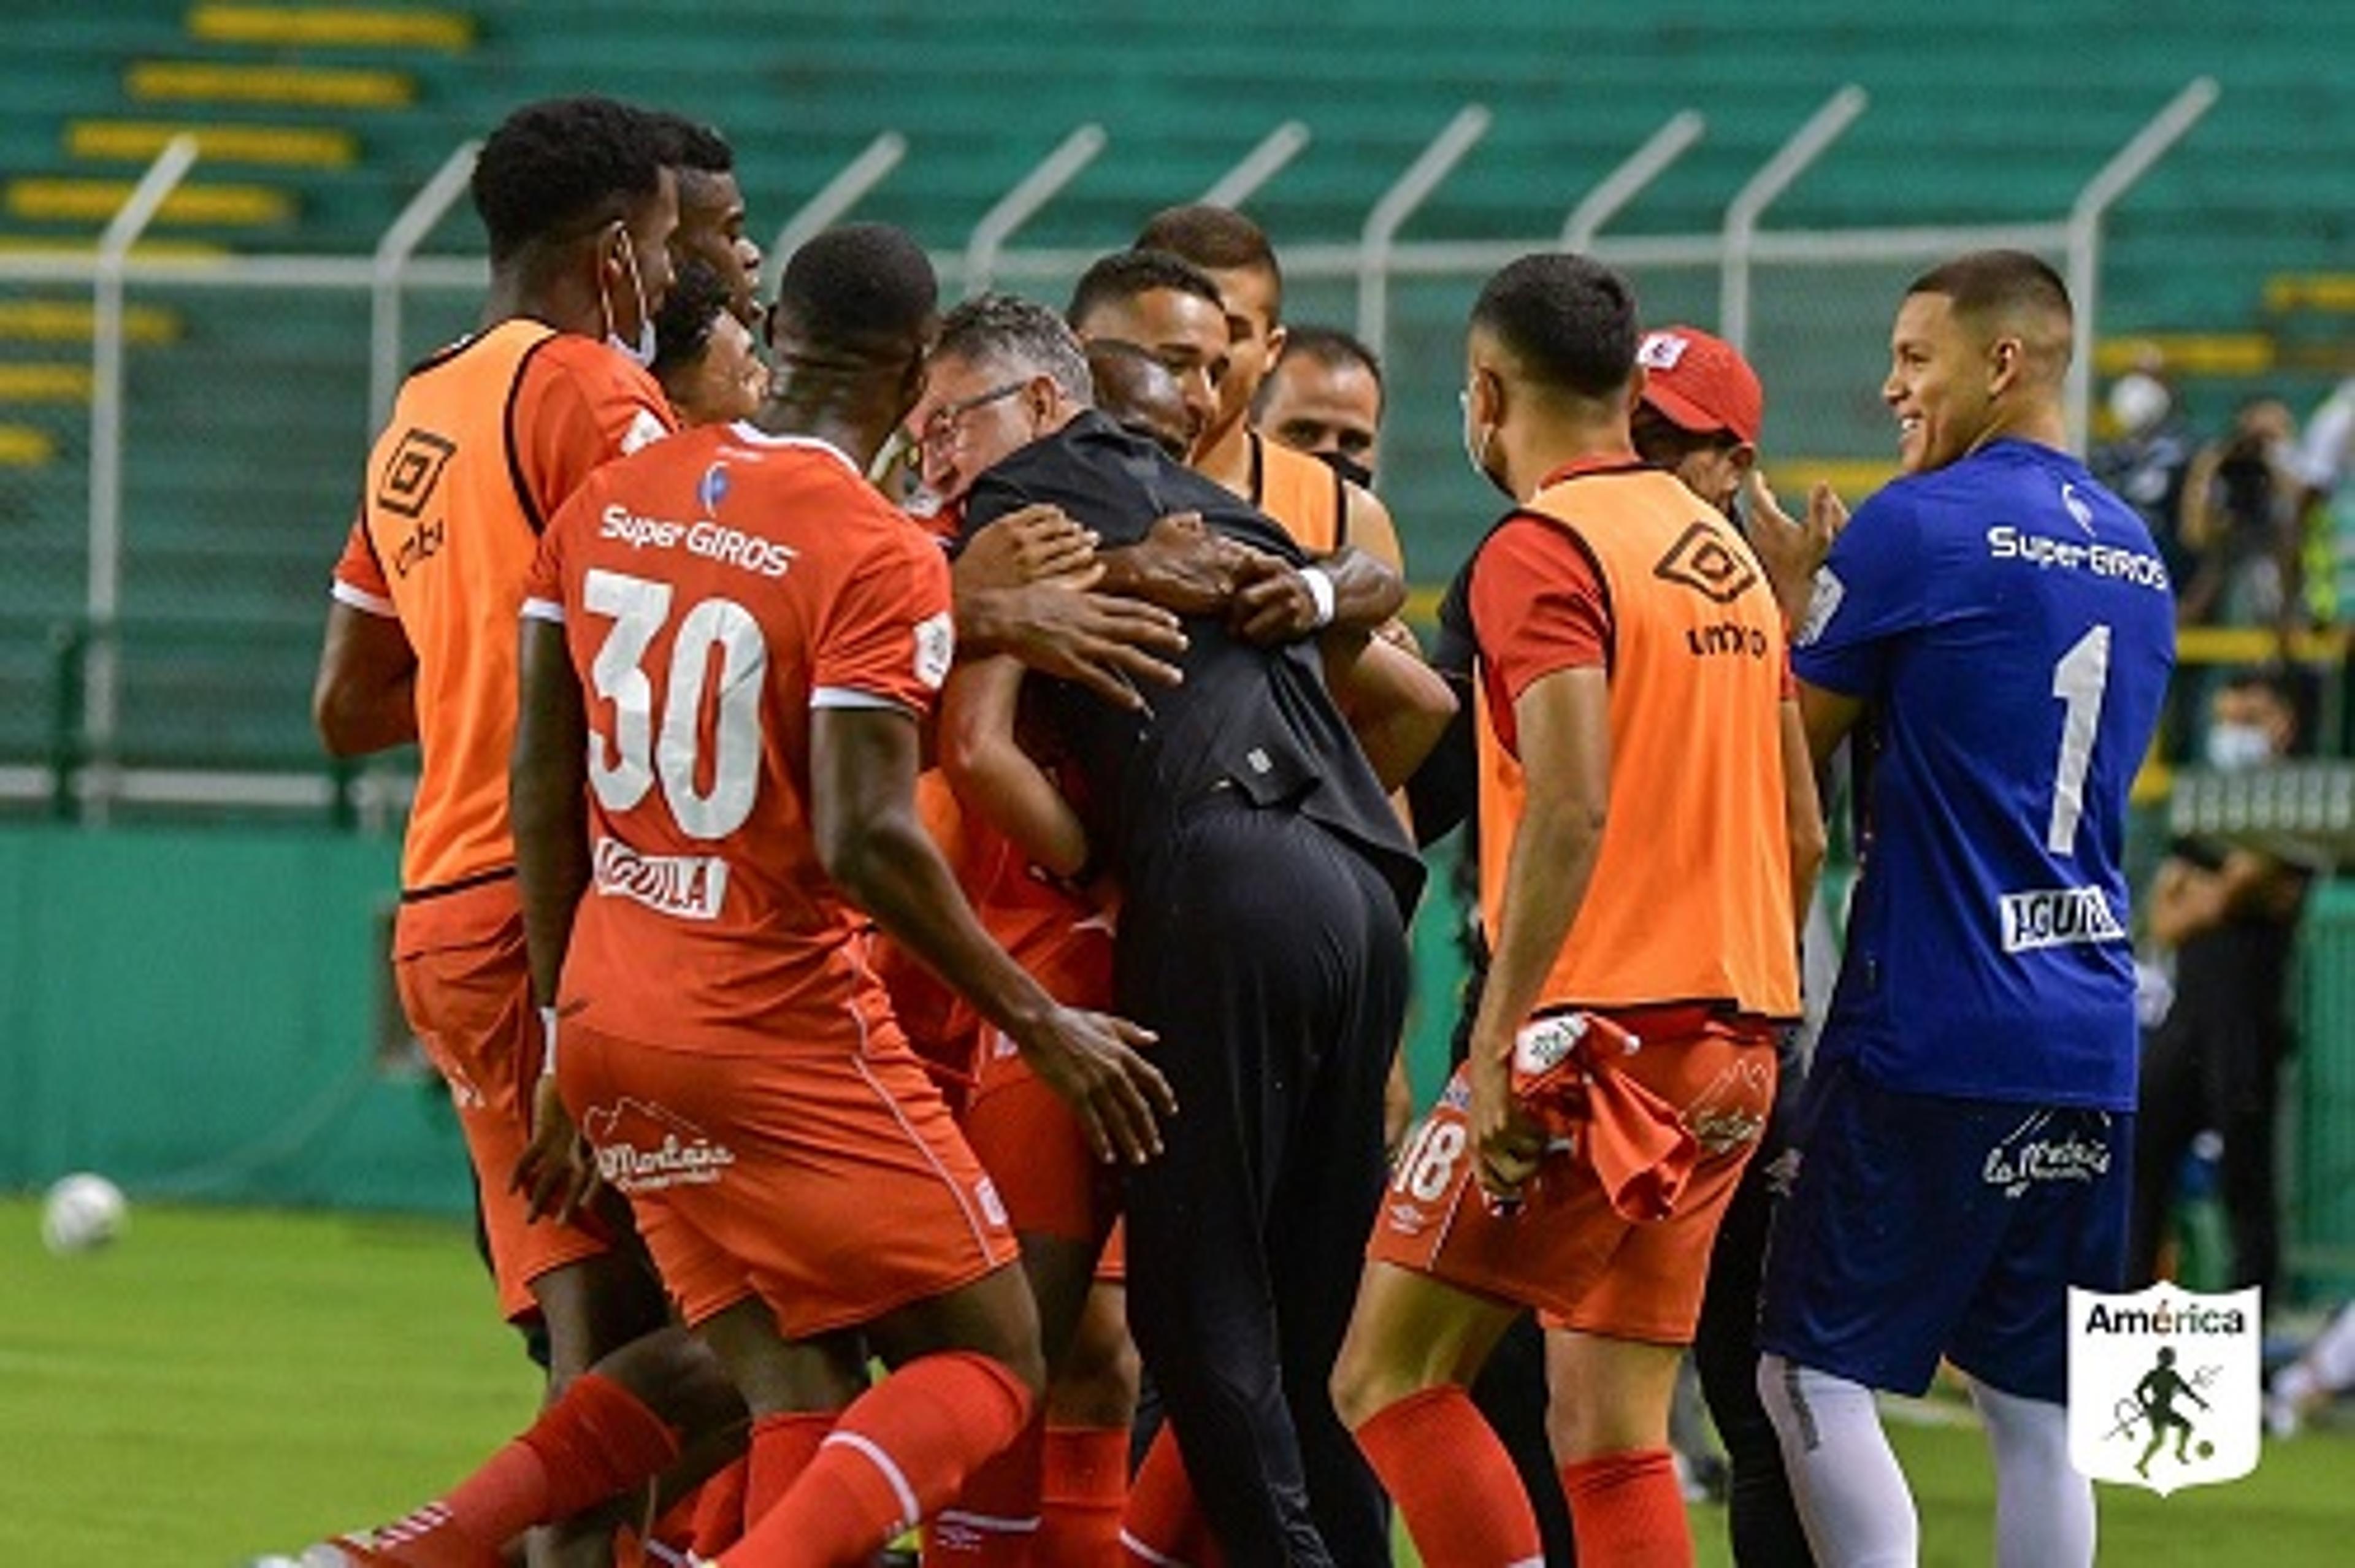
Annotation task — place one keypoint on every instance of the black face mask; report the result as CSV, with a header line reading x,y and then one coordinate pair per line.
x,y
1349,468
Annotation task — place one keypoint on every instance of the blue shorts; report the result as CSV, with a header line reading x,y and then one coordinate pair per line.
x,y
1921,1227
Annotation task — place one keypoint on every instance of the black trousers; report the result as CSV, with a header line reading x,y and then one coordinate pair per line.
x,y
1271,959
1764,1519
2210,1065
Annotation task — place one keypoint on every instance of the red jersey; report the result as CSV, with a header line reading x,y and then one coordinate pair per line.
x,y
486,440
714,591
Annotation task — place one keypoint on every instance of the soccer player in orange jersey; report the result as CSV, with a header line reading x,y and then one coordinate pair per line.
x,y
729,644
1640,878
710,209
1321,508
487,441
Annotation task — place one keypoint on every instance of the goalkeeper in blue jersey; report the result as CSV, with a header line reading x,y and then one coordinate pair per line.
x,y
1994,632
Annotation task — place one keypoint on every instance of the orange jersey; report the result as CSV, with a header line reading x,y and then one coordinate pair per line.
x,y
715,590
1690,899
486,440
1305,494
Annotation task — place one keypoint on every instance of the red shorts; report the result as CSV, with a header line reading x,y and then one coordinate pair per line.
x,y
1026,1136
466,986
1566,1251
825,1179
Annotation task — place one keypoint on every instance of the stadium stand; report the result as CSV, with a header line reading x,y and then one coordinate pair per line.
x,y
245,420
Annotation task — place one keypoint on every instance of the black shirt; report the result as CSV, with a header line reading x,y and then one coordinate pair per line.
x,y
1256,721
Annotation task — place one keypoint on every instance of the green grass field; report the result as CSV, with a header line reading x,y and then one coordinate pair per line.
x,y
222,1384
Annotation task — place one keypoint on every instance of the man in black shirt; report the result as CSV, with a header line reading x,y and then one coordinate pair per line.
x,y
1261,937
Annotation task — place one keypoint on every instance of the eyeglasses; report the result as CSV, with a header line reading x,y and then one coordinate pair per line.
x,y
945,426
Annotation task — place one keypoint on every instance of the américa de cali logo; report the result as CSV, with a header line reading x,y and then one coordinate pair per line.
x,y
2165,1389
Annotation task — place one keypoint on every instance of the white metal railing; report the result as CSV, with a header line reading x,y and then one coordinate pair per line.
x,y
1379,256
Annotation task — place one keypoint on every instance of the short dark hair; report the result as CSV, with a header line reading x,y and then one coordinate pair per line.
x,y
1569,320
691,146
1022,335
1124,274
2276,681
861,287
683,326
560,166
1984,281
1332,347
1218,238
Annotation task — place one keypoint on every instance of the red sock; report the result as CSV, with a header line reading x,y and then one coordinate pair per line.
x,y
902,1448
1082,1489
1164,1524
993,1520
784,1443
596,1440
1626,1510
720,1508
1452,1482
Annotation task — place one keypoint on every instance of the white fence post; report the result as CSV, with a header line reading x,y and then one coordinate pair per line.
x,y
389,265
104,597
2127,166
1614,190
1379,238
1773,178
837,197
1017,206
1258,166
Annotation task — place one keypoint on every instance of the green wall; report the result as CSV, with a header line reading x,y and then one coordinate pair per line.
x,y
192,1012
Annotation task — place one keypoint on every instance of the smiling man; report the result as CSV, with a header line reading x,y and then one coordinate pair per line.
x,y
1996,628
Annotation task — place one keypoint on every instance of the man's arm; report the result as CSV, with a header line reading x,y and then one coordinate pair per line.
x,y
1397,706
1366,523
548,810
1828,716
1275,601
993,776
863,814
1563,722
364,697
1802,815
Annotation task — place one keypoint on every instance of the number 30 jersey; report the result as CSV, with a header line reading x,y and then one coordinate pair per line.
x,y
715,590
2010,628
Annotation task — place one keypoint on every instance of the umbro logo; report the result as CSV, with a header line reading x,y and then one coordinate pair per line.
x,y
1704,560
413,472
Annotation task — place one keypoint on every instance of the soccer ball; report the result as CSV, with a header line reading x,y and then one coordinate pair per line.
x,y
81,1213
2206,1449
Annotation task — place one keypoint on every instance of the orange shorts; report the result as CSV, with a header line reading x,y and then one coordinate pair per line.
x,y
828,1179
1026,1136
1566,1251
465,986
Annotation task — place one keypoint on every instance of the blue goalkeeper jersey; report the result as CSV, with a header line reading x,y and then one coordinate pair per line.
x,y
2010,628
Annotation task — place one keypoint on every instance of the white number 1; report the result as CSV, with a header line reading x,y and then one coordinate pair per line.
x,y
2078,680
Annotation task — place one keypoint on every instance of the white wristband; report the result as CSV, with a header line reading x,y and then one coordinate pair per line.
x,y
548,1043
1320,589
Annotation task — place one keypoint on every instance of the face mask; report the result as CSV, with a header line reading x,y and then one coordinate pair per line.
x,y
641,353
1348,468
2232,747
1475,447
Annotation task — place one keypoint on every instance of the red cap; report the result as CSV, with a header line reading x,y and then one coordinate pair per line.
x,y
1702,383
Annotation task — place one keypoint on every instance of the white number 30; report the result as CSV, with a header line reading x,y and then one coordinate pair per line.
x,y
623,766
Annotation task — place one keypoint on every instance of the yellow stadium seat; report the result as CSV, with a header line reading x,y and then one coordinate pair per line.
x,y
2330,292
150,248
95,201
291,146
1851,478
354,26
69,321
2189,353
21,446
310,87
44,383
